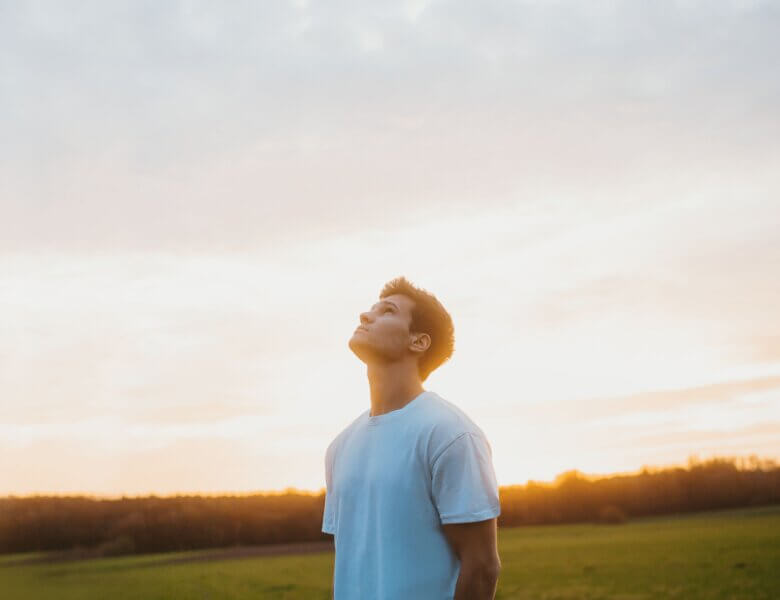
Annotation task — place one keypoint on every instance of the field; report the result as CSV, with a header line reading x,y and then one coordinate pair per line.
x,y
724,555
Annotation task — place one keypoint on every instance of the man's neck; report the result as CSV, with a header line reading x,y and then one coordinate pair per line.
x,y
392,386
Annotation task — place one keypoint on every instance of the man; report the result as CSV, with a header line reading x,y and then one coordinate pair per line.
x,y
411,498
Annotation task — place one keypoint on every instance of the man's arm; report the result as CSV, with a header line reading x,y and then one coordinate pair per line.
x,y
475,544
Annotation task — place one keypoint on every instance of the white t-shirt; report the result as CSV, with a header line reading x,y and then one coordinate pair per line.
x,y
392,481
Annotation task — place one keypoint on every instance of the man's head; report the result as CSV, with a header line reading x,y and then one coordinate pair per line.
x,y
407,323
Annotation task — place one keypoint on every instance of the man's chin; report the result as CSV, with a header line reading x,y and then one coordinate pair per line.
x,y
359,348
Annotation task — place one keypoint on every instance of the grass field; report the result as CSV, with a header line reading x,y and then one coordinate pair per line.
x,y
724,555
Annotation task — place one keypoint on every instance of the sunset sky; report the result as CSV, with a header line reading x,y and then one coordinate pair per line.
x,y
198,199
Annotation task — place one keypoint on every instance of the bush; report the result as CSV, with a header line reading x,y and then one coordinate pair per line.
x,y
612,515
124,544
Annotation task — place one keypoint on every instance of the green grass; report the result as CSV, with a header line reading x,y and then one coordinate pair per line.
x,y
723,555
719,555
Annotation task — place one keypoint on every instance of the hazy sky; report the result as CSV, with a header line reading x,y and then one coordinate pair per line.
x,y
198,199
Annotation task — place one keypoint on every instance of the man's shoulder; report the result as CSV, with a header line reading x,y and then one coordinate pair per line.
x,y
446,423
447,417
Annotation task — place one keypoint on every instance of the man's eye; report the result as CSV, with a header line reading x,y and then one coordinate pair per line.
x,y
388,309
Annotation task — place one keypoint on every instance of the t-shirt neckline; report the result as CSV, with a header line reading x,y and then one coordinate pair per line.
x,y
394,414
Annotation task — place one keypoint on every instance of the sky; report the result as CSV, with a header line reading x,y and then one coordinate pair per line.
x,y
198,199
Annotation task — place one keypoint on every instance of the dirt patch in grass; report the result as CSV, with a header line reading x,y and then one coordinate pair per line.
x,y
204,555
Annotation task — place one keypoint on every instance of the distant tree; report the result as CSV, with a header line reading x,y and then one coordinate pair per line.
x,y
90,526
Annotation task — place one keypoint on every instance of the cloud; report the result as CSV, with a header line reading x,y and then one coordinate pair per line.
x,y
192,126
607,435
647,409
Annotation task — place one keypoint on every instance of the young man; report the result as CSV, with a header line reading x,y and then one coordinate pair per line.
x,y
411,498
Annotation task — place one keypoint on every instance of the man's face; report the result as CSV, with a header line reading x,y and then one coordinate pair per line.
x,y
383,334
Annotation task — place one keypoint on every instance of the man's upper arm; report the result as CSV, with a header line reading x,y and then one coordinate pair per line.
x,y
465,492
463,483
474,543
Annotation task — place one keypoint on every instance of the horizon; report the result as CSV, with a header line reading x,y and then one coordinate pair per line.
x,y
693,460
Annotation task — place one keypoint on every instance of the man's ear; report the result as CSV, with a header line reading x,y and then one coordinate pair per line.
x,y
420,342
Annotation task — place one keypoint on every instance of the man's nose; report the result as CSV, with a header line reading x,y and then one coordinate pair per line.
x,y
365,318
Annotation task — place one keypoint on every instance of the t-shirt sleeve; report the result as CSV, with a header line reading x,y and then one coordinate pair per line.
x,y
328,517
463,481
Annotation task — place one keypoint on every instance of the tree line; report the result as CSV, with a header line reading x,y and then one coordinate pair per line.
x,y
98,527
718,483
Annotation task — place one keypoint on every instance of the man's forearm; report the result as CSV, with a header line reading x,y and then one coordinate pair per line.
x,y
476,583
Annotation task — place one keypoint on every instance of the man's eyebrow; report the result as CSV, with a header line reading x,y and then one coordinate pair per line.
x,y
393,304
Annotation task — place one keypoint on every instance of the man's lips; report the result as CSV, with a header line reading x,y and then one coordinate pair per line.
x,y
361,328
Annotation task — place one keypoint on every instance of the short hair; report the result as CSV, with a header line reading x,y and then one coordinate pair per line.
x,y
428,316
